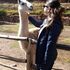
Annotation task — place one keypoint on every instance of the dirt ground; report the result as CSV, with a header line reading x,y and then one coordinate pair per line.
x,y
11,56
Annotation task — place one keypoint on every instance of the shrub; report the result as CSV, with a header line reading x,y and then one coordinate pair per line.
x,y
2,13
67,12
37,12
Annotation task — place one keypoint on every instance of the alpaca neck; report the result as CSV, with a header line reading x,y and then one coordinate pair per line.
x,y
23,26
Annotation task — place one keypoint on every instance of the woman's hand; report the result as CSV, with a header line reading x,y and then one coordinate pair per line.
x,y
27,13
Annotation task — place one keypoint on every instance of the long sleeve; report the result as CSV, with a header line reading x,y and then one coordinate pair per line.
x,y
35,21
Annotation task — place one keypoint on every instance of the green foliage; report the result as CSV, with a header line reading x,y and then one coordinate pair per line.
x,y
37,12
11,12
2,13
8,12
67,12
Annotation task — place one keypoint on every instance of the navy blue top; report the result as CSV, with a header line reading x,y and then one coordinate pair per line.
x,y
47,38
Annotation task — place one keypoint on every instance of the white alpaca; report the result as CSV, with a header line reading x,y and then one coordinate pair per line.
x,y
23,6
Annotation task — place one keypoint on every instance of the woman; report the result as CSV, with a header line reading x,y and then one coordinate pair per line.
x,y
50,29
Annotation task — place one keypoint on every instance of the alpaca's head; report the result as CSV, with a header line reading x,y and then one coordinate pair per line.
x,y
24,5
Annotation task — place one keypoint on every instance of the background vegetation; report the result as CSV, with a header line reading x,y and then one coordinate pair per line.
x,y
7,8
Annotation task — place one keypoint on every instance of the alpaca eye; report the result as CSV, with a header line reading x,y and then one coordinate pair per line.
x,y
23,3
45,6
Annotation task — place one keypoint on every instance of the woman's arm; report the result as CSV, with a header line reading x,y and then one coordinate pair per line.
x,y
35,21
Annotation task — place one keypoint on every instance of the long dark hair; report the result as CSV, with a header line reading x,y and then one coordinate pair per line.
x,y
58,12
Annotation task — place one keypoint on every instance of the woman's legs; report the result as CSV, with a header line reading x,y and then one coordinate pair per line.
x,y
51,57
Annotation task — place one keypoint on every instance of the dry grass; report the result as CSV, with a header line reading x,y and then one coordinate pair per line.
x,y
11,28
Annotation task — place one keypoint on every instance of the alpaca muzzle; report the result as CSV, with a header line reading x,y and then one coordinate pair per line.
x,y
31,8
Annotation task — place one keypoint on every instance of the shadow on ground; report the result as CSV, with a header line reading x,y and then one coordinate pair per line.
x,y
13,59
8,67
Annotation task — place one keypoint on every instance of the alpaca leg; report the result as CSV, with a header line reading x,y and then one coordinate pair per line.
x,y
29,58
23,45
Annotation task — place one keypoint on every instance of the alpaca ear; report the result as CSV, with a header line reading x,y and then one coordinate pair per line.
x,y
21,2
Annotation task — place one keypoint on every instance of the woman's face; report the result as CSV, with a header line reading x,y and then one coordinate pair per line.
x,y
48,10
